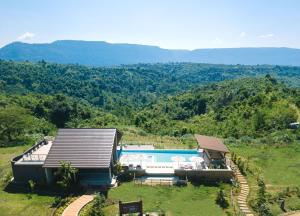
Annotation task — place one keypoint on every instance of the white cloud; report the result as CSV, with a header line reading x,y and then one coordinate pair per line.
x,y
266,35
243,34
26,36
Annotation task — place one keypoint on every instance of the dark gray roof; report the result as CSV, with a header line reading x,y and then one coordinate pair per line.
x,y
83,148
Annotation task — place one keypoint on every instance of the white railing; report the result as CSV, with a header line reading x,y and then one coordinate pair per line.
x,y
34,157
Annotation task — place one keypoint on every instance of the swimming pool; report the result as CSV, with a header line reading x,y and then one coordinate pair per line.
x,y
158,156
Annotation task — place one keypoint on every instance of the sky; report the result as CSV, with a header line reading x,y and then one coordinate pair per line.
x,y
171,24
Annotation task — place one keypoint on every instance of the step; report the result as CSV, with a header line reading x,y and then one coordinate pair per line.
x,y
247,211
243,183
244,192
243,205
243,195
242,200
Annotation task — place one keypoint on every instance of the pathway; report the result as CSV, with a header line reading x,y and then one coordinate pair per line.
x,y
295,213
74,208
242,198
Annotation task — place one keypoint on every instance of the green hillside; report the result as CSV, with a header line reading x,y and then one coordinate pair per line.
x,y
254,108
161,104
126,87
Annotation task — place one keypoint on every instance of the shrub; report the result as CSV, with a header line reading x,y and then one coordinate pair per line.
x,y
261,205
66,175
6,178
31,184
221,199
97,205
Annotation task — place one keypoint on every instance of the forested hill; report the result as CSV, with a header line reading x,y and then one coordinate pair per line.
x,y
243,108
99,53
124,88
247,108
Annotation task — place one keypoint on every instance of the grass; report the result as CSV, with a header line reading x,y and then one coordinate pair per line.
x,y
174,201
279,167
18,203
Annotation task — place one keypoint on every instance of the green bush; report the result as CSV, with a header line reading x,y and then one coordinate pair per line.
x,y
221,199
97,205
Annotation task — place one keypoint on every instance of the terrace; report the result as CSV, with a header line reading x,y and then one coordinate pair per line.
x,y
36,154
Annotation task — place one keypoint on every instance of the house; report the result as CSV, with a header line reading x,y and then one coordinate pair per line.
x,y
92,151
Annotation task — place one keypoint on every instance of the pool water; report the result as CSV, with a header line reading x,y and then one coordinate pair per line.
x,y
158,155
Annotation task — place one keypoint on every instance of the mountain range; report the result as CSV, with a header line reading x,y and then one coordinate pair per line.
x,y
100,53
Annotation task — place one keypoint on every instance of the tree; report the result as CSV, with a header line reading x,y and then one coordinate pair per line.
x,y
14,122
221,199
66,175
60,114
258,121
31,184
261,201
97,205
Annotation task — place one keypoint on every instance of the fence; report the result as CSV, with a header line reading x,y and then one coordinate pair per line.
x,y
153,182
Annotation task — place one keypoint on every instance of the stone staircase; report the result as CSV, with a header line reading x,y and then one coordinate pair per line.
x,y
242,198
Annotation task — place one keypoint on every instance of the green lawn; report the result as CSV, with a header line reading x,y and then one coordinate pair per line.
x,y
12,204
174,201
280,168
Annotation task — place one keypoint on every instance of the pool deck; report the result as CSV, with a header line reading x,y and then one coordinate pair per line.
x,y
145,159
138,147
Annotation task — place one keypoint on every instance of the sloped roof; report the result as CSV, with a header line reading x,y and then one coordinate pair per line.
x,y
211,143
83,148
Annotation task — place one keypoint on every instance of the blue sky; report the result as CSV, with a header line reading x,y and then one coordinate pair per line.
x,y
177,24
